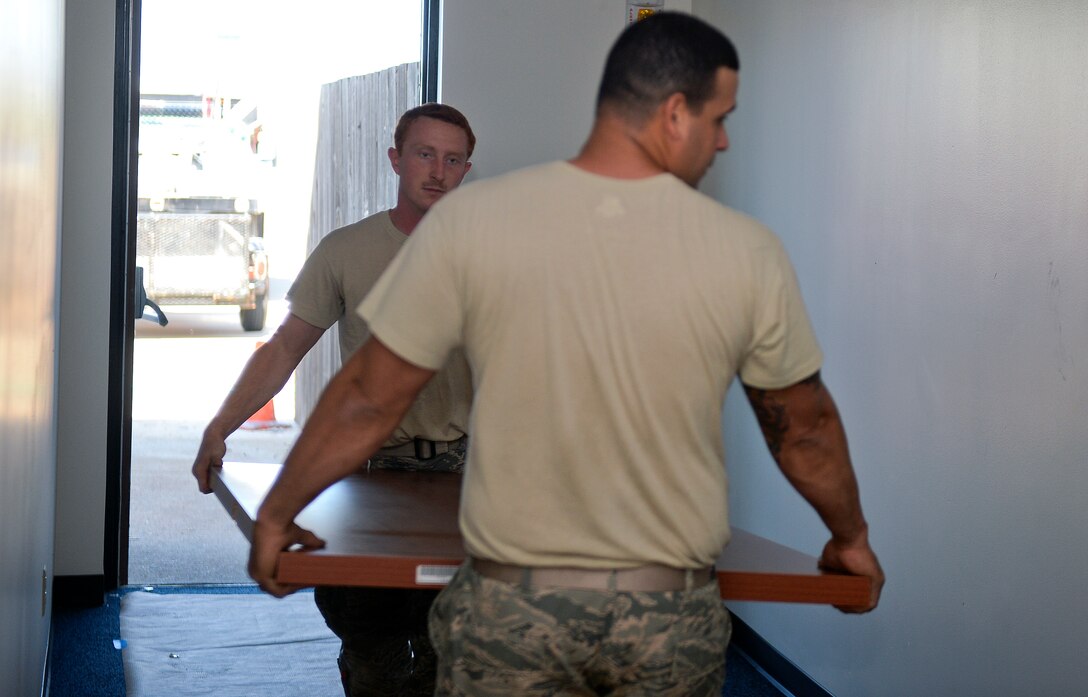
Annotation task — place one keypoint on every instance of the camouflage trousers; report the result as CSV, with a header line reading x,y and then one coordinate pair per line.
x,y
385,648
450,461
496,639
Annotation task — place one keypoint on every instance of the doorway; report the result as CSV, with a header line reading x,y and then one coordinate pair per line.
x,y
240,80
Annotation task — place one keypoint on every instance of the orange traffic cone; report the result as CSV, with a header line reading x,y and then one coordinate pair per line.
x,y
265,417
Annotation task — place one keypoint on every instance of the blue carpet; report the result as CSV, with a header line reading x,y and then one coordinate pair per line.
x,y
85,663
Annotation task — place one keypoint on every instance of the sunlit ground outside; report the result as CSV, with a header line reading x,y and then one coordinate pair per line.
x,y
277,55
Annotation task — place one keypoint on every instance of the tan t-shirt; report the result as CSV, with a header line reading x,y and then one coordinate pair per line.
x,y
338,275
603,320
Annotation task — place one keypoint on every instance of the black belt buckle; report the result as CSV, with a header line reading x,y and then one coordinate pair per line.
x,y
425,449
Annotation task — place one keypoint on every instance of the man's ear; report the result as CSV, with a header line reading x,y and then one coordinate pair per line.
x,y
394,160
675,115
468,166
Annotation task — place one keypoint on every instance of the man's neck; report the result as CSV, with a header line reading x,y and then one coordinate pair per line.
x,y
405,217
617,149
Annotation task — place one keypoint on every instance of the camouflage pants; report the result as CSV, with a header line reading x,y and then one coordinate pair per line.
x,y
450,461
495,639
385,649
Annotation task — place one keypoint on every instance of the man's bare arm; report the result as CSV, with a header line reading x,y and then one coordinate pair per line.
x,y
805,435
358,411
263,377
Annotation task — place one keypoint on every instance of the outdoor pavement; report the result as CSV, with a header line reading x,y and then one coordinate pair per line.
x,y
181,373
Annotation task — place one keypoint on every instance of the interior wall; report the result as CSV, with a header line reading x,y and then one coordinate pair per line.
x,y
31,81
525,74
925,164
85,288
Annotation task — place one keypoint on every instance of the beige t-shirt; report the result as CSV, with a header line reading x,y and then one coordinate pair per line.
x,y
338,275
603,320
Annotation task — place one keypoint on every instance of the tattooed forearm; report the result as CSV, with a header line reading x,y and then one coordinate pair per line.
x,y
772,414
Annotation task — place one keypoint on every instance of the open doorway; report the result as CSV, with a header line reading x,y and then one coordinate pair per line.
x,y
229,127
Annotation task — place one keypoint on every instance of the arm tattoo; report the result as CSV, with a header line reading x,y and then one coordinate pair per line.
x,y
771,412
771,416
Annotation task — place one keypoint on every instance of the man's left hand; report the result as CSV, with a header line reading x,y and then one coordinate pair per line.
x,y
858,559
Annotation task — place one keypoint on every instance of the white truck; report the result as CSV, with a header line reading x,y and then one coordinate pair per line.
x,y
199,224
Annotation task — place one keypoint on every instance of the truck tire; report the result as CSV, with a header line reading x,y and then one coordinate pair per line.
x,y
253,320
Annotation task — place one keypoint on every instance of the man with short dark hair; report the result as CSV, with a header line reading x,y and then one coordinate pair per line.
x,y
605,307
385,650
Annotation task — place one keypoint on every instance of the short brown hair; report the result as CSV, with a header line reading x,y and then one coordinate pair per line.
x,y
433,110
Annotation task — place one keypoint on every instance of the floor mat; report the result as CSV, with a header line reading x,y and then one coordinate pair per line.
x,y
236,645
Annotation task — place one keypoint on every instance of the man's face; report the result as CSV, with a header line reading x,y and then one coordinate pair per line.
x,y
433,160
705,135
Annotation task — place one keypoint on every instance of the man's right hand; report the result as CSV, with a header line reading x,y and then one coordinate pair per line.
x,y
264,375
212,449
268,541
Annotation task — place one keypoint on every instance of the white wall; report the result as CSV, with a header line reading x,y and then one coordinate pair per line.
x,y
525,74
927,166
31,84
85,288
